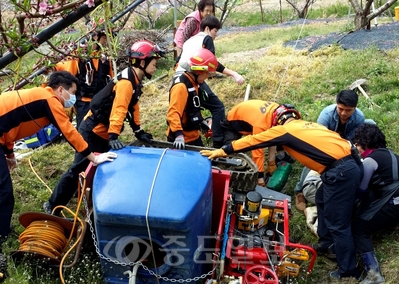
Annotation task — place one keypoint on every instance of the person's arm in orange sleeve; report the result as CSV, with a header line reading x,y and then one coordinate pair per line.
x,y
177,104
111,69
123,95
136,115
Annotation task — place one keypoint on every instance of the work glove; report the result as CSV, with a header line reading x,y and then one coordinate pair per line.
x,y
212,154
143,136
115,143
104,157
311,219
179,142
238,78
204,127
11,162
271,167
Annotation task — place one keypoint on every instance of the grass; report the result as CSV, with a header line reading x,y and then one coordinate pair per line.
x,y
309,80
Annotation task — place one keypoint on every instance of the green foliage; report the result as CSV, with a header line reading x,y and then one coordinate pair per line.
x,y
334,11
166,20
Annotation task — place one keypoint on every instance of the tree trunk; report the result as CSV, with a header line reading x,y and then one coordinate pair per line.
x,y
261,11
362,17
360,20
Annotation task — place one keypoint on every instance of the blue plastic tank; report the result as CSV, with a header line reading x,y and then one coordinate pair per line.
x,y
154,205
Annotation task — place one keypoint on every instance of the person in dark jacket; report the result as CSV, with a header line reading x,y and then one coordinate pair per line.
x,y
23,113
379,194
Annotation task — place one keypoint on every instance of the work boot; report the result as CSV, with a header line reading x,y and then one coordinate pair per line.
x,y
373,270
47,207
353,273
300,202
327,252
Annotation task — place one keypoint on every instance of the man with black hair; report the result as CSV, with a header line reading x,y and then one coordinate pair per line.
x,y
342,117
104,122
23,113
93,73
209,28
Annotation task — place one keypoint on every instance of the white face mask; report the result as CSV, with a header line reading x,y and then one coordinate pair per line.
x,y
72,99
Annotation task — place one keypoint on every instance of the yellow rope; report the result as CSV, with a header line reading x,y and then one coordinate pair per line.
x,y
48,237
39,178
44,237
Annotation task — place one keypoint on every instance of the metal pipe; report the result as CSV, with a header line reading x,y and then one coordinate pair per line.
x,y
54,29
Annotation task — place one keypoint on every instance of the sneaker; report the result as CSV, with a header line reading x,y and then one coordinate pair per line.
x,y
327,252
47,207
300,202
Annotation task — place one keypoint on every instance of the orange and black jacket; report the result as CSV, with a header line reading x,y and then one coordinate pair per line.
x,y
312,144
253,117
78,67
178,112
24,112
124,105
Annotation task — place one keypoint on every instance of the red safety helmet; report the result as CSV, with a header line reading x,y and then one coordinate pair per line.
x,y
143,49
284,112
203,60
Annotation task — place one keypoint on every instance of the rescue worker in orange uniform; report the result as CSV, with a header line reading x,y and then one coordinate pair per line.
x,y
104,123
93,74
184,114
252,117
23,113
339,164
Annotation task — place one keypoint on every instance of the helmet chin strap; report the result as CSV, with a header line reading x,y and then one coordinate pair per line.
x,y
148,76
196,77
146,63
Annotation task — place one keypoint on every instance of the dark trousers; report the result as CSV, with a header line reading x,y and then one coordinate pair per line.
x,y
6,196
385,218
68,184
335,200
216,107
81,110
229,133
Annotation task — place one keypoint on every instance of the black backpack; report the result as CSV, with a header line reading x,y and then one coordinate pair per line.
x,y
101,104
